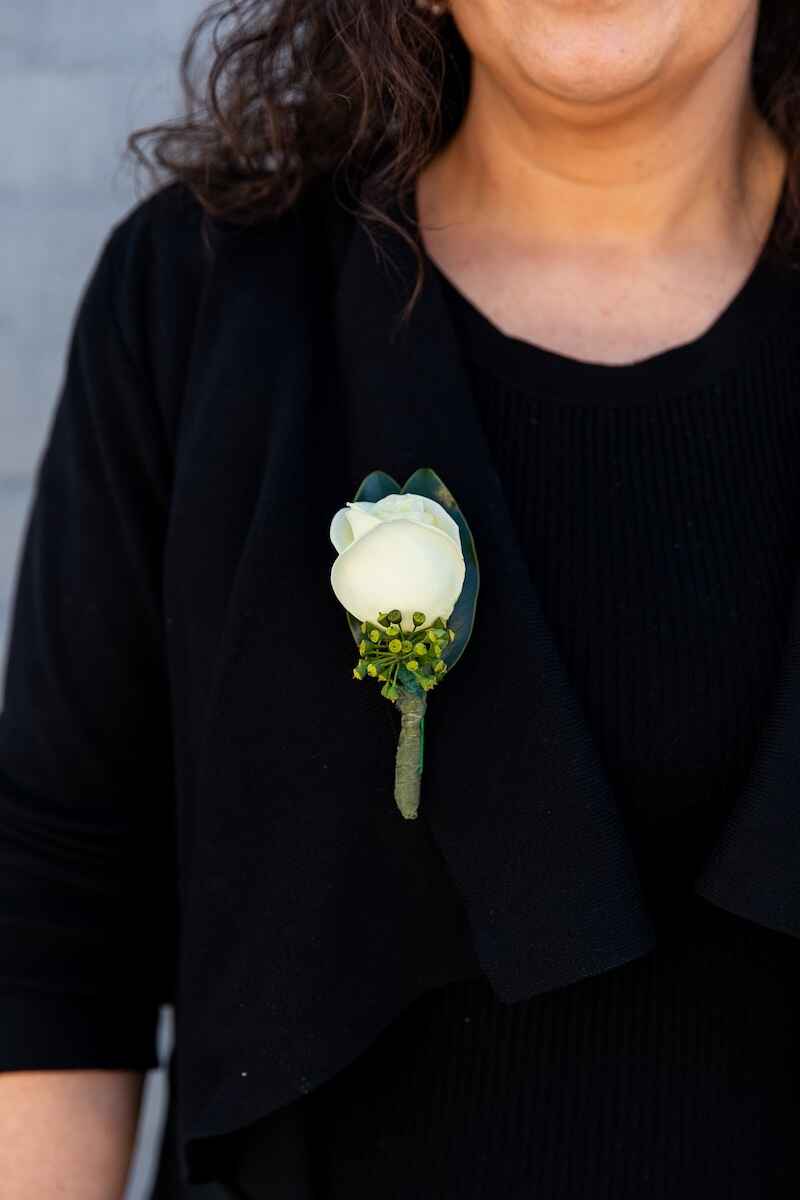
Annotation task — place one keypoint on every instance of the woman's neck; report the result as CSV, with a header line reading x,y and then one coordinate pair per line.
x,y
605,232
676,163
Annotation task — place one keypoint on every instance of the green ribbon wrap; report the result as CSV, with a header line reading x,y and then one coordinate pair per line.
x,y
408,764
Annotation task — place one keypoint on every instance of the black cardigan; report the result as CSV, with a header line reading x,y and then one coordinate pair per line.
x,y
195,796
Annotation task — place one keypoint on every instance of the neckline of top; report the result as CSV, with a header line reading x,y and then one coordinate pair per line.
x,y
770,290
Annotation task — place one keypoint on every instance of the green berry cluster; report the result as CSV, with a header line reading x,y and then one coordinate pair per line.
x,y
388,653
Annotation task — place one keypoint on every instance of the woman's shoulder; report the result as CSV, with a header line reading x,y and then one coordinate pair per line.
x,y
171,227
167,253
166,245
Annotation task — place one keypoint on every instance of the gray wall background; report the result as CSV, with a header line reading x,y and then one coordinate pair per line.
x,y
75,80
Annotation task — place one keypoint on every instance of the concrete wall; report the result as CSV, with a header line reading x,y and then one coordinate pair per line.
x,y
75,79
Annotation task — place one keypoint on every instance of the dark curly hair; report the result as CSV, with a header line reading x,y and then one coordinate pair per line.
x,y
367,93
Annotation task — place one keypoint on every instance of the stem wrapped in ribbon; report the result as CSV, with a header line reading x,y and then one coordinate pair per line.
x,y
407,574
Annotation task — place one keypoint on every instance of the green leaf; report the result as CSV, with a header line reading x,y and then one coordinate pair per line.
x,y
425,482
375,486
408,681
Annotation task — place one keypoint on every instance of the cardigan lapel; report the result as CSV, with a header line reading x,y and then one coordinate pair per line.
x,y
753,867
513,790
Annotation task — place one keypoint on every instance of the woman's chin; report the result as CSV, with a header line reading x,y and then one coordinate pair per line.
x,y
597,82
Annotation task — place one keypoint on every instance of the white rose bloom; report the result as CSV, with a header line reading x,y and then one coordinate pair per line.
x,y
404,552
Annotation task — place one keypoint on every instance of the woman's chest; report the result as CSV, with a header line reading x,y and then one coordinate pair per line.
x,y
662,537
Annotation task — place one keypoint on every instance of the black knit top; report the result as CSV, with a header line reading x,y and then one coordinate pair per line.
x,y
658,504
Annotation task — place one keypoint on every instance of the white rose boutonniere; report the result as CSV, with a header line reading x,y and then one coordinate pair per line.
x,y
404,546
407,575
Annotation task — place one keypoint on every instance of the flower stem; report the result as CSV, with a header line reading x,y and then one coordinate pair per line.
x,y
408,764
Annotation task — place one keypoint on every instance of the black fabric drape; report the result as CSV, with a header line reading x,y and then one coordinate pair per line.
x,y
195,796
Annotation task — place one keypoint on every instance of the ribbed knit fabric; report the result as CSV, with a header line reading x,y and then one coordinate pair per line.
x,y
659,508
661,523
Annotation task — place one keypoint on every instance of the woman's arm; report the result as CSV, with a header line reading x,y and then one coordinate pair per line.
x,y
88,877
67,1133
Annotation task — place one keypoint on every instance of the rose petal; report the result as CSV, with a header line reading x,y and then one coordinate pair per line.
x,y
341,531
400,564
362,520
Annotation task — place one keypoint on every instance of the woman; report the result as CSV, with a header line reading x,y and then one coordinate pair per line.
x,y
576,975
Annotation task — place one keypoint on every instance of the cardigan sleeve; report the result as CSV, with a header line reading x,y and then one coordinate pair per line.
x,y
87,862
